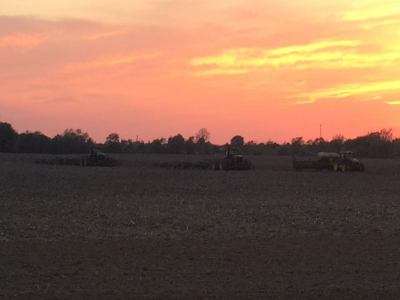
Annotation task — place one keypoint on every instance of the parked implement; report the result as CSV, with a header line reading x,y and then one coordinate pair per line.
x,y
332,161
232,161
96,158
185,165
324,161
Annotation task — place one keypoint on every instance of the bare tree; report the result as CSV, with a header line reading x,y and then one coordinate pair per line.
x,y
202,134
386,134
339,137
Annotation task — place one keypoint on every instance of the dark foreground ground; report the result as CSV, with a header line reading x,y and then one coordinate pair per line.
x,y
144,233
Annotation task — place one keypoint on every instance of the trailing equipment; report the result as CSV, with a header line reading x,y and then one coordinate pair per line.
x,y
332,161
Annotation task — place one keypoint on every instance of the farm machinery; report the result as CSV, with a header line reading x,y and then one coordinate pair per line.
x,y
348,162
96,158
332,161
232,161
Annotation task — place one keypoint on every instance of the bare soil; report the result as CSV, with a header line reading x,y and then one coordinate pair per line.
x,y
139,232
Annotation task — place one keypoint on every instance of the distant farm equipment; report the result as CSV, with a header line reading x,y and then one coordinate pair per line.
x,y
348,162
332,161
232,161
96,158
61,161
186,165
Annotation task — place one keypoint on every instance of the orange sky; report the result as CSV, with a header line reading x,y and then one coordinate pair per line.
x,y
263,69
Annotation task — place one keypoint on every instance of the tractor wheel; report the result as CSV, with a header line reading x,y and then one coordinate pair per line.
x,y
248,165
215,166
335,166
83,162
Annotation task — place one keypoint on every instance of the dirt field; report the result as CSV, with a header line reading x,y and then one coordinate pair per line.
x,y
138,232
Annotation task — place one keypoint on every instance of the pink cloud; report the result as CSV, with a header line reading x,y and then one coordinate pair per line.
x,y
22,40
135,77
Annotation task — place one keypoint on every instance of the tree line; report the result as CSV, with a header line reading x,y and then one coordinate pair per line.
x,y
380,144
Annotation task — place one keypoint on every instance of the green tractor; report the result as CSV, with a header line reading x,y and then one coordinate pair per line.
x,y
348,162
232,161
96,158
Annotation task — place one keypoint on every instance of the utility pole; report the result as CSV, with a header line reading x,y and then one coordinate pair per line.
x,y
320,131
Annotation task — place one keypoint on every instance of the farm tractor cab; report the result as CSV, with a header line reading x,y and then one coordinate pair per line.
x,y
348,162
232,161
97,155
96,158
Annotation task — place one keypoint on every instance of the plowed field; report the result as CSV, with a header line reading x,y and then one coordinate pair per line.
x,y
140,232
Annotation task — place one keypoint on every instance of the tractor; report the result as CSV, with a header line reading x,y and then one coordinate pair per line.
x,y
348,162
96,158
232,161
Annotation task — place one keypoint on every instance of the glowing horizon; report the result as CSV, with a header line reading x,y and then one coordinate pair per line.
x,y
272,70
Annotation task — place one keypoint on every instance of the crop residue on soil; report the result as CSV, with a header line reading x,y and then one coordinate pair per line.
x,y
136,231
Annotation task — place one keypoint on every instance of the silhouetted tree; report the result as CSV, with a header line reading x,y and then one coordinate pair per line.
x,y
380,144
141,148
129,146
8,138
237,142
374,144
395,149
190,145
176,144
297,145
72,141
158,146
319,145
201,146
253,148
202,134
337,142
34,142
112,144
112,138
386,134
339,137
271,148
285,149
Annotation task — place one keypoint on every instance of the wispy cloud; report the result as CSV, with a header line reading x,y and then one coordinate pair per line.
x,y
393,102
105,34
371,12
381,23
22,40
368,99
110,62
319,55
254,57
301,102
350,90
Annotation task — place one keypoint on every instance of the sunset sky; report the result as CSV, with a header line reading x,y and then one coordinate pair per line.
x,y
263,69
